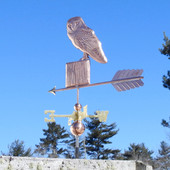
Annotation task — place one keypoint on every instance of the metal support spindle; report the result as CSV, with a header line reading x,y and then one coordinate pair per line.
x,y
77,95
85,155
77,147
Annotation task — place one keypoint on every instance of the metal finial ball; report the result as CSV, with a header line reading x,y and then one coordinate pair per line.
x,y
77,128
77,107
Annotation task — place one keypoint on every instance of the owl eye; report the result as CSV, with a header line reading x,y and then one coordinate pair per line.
x,y
69,25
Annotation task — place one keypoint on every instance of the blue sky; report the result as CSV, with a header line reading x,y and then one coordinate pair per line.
x,y
34,49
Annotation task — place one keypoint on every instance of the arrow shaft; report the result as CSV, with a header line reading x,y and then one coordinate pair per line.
x,y
59,115
101,83
92,116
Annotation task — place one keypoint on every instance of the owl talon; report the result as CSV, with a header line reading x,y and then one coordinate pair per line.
x,y
85,57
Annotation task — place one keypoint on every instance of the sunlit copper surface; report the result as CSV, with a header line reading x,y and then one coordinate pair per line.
x,y
77,128
77,107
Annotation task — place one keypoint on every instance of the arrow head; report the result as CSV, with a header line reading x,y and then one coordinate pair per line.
x,y
52,90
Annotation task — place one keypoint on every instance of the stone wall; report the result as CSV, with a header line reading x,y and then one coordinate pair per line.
x,y
31,163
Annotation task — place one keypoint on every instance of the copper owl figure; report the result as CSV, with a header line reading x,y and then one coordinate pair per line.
x,y
85,39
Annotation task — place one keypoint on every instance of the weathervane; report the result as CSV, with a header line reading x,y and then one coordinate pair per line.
x,y
77,116
78,76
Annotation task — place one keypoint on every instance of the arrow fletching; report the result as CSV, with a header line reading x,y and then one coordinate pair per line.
x,y
130,79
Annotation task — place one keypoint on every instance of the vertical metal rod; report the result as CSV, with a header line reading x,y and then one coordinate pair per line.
x,y
77,137
77,94
77,147
85,156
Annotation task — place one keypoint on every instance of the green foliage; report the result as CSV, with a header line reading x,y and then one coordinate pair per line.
x,y
166,47
17,148
163,160
166,51
165,150
165,123
138,152
166,80
97,137
54,136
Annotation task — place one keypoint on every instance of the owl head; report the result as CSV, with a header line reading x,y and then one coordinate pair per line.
x,y
74,23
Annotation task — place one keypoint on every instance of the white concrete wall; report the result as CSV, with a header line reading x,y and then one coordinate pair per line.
x,y
25,163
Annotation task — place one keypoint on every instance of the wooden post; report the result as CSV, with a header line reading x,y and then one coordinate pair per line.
x,y
78,73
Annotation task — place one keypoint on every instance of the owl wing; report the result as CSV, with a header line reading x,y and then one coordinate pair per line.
x,y
87,41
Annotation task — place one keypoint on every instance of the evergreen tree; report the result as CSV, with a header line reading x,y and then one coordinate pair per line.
x,y
138,152
17,148
163,159
166,51
97,137
164,153
166,79
166,46
165,123
55,135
